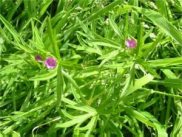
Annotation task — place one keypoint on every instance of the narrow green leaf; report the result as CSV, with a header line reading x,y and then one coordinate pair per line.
x,y
165,62
60,84
161,22
109,57
162,7
45,76
139,83
45,6
115,27
103,11
52,37
76,120
149,120
83,108
173,83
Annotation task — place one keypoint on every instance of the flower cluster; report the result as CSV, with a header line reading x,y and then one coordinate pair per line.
x,y
50,62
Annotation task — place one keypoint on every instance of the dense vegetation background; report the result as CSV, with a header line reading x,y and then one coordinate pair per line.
x,y
99,86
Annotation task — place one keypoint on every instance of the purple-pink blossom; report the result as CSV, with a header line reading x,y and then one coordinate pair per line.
x,y
131,43
38,58
50,63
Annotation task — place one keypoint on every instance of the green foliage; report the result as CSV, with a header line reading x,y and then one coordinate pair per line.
x,y
99,87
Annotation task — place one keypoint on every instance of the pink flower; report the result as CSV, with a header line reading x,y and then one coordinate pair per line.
x,y
38,58
131,43
50,63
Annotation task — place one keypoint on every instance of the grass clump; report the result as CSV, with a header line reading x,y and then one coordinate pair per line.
x,y
90,68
